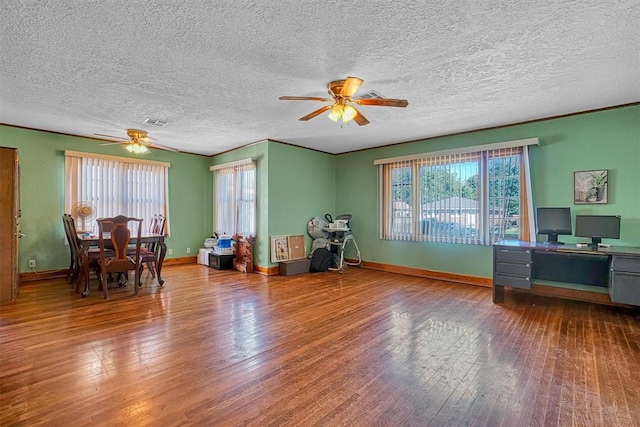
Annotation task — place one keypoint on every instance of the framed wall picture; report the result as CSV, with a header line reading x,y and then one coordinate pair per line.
x,y
279,248
297,249
590,186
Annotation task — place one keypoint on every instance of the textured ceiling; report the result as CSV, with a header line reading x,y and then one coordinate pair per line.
x,y
215,69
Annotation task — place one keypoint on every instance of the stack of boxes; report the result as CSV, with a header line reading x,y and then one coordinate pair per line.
x,y
203,254
221,258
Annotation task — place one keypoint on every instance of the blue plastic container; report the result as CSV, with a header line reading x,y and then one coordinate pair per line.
x,y
224,242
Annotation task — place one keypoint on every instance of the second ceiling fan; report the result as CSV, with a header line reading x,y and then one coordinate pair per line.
x,y
342,102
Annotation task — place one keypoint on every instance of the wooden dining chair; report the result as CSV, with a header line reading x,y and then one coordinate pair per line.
x,y
150,250
72,239
124,257
76,266
153,224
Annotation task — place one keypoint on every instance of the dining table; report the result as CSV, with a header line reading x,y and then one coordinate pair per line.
x,y
92,241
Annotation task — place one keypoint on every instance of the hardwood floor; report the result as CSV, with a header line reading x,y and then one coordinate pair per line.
x,y
366,348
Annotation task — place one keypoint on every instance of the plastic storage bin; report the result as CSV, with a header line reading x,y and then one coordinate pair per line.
x,y
203,256
224,241
295,266
221,262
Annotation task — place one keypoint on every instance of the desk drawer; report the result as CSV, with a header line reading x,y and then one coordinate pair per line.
x,y
514,255
622,263
625,288
511,280
512,268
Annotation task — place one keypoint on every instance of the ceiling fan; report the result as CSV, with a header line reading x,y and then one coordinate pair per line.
x,y
342,92
138,141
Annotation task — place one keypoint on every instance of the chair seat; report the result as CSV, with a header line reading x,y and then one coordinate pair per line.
x,y
143,251
147,256
94,253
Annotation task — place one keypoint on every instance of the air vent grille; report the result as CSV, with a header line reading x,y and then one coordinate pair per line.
x,y
371,95
155,122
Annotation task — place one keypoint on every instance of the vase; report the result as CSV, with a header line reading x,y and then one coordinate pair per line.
x,y
581,196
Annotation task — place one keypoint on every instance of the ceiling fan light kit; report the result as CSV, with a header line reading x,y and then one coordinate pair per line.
x,y
136,148
346,113
342,92
138,142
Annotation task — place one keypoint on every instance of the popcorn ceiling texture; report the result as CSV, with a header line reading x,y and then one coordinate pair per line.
x,y
215,69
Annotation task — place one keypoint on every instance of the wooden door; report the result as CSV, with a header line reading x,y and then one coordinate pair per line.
x,y
9,223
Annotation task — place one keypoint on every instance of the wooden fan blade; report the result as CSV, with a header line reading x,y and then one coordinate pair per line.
x,y
360,119
351,86
146,139
304,98
115,142
111,136
386,102
315,113
163,147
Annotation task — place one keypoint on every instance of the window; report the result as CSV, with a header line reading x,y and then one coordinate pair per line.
x,y
235,198
117,185
477,195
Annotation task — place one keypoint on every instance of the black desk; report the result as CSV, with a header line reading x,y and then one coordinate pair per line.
x,y
519,264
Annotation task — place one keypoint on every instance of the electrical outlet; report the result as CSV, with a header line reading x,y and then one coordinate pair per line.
x,y
169,251
32,263
188,250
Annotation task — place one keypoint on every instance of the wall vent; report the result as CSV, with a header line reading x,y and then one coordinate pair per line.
x,y
155,122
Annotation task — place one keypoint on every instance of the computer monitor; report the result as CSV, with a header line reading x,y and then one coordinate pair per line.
x,y
598,227
553,222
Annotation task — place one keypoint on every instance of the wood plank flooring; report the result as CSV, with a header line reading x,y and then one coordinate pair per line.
x,y
365,348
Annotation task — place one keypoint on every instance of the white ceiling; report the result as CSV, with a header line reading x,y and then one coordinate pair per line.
x,y
215,69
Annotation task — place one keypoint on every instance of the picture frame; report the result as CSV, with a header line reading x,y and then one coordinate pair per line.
x,y
591,187
297,249
279,248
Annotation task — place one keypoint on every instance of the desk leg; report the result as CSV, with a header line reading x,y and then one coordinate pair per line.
x,y
498,293
163,252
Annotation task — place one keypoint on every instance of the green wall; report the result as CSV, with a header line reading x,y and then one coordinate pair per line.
x,y
601,140
42,195
301,186
260,153
294,184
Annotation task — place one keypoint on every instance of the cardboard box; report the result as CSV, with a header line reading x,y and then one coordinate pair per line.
x,y
221,262
295,266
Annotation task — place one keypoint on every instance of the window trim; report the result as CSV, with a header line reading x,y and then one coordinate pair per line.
x,y
231,164
70,153
461,150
